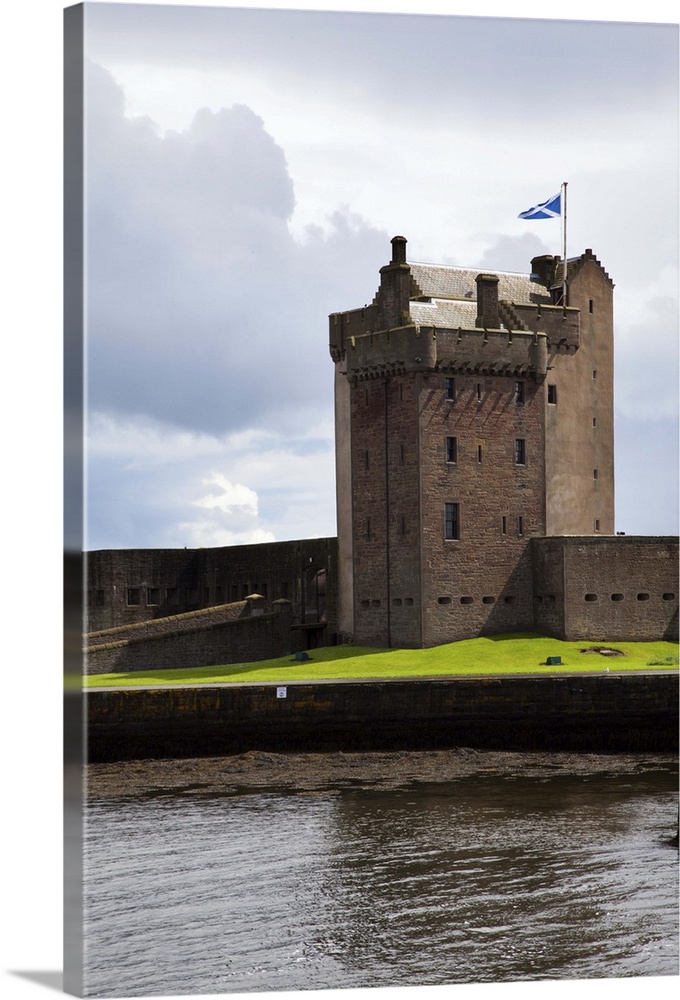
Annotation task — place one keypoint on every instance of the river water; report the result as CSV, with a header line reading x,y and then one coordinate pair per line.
x,y
287,872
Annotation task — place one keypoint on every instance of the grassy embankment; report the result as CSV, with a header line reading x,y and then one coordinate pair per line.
x,y
521,653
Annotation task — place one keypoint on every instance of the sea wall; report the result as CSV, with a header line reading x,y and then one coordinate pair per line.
x,y
584,712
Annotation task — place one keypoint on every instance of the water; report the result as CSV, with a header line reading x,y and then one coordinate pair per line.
x,y
309,875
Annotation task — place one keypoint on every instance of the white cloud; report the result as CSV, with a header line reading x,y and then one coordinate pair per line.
x,y
231,496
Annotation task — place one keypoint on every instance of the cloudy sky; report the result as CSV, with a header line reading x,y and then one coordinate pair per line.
x,y
245,171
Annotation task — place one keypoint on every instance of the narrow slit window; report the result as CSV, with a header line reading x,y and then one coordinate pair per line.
x,y
520,525
450,389
452,450
520,451
479,454
519,392
552,395
504,525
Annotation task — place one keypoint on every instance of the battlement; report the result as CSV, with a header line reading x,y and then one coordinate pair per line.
x,y
419,348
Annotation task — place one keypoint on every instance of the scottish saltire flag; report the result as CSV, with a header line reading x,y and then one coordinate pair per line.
x,y
549,209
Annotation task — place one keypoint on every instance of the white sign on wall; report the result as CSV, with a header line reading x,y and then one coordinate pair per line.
x,y
282,692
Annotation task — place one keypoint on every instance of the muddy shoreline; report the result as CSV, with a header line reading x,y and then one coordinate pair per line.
x,y
257,771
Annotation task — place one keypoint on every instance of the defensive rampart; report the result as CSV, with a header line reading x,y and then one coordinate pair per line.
x,y
586,712
606,589
227,634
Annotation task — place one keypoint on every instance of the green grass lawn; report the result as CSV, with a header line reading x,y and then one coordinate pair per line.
x,y
520,653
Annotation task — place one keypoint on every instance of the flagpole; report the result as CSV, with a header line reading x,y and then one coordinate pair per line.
x,y
564,244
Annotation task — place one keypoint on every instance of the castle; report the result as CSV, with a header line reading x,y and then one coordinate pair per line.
x,y
475,489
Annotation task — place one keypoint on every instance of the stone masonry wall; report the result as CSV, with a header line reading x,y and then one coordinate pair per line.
x,y
480,583
133,585
611,589
193,640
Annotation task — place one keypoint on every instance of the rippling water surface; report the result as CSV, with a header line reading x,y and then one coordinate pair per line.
x,y
493,876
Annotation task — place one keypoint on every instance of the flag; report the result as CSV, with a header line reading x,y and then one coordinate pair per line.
x,y
549,209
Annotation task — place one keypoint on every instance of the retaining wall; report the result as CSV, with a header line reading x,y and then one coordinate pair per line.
x,y
587,712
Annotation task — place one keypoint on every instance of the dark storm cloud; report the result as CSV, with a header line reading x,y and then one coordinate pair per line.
x,y
202,309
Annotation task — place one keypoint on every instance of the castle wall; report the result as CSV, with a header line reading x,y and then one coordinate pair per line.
x,y
579,451
133,585
385,511
623,588
479,583
193,640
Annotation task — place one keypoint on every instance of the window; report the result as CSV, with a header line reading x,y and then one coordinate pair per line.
x,y
467,600
643,597
594,473
133,596
520,451
594,421
590,305
443,600
597,524
452,523
479,392
668,597
519,392
479,454
504,525
617,597
452,449
488,600
520,525
153,595
595,374
552,394
591,598
450,389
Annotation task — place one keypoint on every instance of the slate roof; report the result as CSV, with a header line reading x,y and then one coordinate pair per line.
x,y
439,281
446,313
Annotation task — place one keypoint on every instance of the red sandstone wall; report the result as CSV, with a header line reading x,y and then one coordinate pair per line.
x,y
620,588
490,570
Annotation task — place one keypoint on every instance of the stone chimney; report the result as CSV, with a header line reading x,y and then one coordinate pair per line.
x,y
395,287
487,302
544,269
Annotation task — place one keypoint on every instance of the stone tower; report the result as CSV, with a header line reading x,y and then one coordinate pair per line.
x,y
473,411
